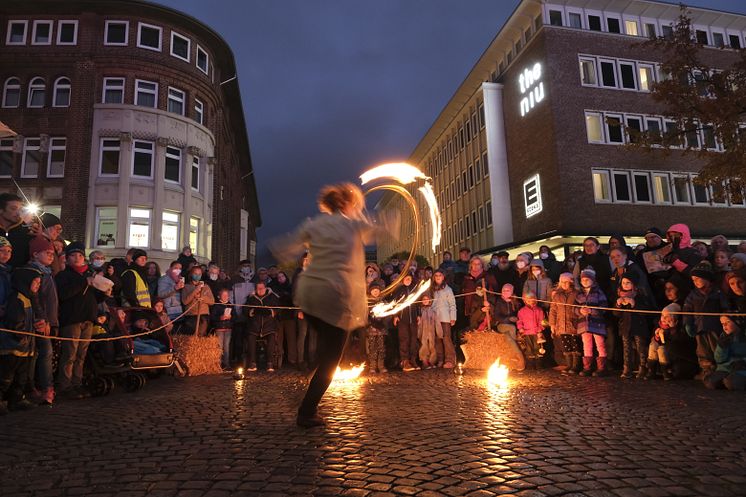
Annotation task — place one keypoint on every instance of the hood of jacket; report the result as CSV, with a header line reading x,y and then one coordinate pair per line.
x,y
21,280
686,237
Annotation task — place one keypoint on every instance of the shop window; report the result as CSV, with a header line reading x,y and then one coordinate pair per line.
x,y
106,226
170,232
139,227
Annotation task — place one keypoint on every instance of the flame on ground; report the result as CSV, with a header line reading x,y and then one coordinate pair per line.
x,y
498,374
400,171
383,309
348,374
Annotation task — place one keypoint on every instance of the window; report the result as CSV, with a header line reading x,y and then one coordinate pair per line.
x,y
594,23
42,33
199,111
109,157
621,187
16,33
194,234
734,41
708,134
471,176
681,190
634,128
661,189
601,186
180,46
718,194
61,93
481,218
170,231
588,72
485,164
488,210
460,229
718,40
701,195
574,20
176,101
642,187
31,158
650,31
173,164
477,170
608,73
56,158
701,37
672,134
142,159
113,91
149,36
146,93
613,25
6,158
116,33
700,81
37,93
202,60
139,227
653,127
630,27
106,226
67,33
593,127
474,222
555,18
692,136
667,31
646,74
468,131
627,75
195,173
12,92
614,129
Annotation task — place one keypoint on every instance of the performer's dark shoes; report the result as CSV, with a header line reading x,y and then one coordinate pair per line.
x,y
310,421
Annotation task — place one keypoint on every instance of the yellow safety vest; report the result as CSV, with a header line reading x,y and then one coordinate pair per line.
x,y
141,289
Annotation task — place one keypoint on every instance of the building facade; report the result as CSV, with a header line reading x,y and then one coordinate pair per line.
x,y
531,149
130,128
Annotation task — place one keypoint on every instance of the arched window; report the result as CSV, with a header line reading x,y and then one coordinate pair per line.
x,y
61,92
37,93
12,92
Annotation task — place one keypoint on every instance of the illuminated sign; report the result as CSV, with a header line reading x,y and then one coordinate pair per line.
x,y
532,88
532,196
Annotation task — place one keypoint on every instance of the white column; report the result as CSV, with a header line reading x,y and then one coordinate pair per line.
x,y
125,167
497,158
159,175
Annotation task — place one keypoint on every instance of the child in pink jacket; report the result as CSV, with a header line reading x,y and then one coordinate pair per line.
x,y
531,330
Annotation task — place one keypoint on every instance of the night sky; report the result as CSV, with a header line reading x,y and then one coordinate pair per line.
x,y
332,87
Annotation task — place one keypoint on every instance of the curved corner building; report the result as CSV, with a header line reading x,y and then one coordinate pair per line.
x,y
130,127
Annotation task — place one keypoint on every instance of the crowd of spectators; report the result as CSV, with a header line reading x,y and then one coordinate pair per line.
x,y
669,308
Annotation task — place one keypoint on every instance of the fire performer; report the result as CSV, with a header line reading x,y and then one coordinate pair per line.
x,y
331,292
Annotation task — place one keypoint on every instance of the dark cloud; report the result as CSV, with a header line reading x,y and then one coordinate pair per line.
x,y
331,87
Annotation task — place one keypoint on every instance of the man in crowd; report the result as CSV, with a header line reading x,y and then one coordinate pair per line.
x,y
502,270
135,291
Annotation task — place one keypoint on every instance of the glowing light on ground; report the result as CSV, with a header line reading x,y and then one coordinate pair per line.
x,y
343,375
400,171
383,309
497,375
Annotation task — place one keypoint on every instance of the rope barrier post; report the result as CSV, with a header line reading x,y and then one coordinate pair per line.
x,y
199,304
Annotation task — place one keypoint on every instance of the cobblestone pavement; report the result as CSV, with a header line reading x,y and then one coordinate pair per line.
x,y
427,433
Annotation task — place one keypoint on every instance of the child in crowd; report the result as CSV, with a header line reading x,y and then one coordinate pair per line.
x,y
658,349
562,323
721,266
705,297
591,324
221,322
104,349
506,311
531,330
376,333
428,327
444,305
633,326
730,355
145,344
165,321
538,283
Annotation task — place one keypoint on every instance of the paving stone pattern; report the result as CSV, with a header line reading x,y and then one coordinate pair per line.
x,y
426,433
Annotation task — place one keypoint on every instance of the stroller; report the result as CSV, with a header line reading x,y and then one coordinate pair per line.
x,y
123,361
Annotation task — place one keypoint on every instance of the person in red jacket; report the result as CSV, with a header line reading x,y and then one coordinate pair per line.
x,y
531,329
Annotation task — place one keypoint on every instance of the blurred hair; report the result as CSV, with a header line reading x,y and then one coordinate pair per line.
x,y
335,198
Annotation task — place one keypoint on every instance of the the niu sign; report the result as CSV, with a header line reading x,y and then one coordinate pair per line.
x,y
532,88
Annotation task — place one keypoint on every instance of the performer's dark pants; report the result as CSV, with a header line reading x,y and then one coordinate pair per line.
x,y
331,345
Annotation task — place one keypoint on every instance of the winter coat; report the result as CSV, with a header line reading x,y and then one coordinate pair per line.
x,y
444,304
5,287
78,301
470,284
409,314
21,310
133,295
170,296
687,256
48,294
541,288
503,276
185,260
730,353
530,320
285,298
377,325
552,267
19,237
242,290
633,323
593,322
429,325
633,269
600,264
189,294
262,321
562,317
506,310
217,311
696,301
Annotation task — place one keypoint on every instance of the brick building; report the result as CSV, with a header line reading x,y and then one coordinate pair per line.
x,y
530,149
130,127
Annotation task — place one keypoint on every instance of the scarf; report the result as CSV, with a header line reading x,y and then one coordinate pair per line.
x,y
80,269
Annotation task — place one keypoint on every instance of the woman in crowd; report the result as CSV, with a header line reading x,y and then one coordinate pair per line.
x,y
152,275
444,305
286,331
538,283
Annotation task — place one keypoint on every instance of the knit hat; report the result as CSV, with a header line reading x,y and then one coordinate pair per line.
x,y
39,244
633,277
588,272
4,242
138,253
48,220
653,231
703,270
674,307
75,247
537,263
375,284
566,277
741,257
